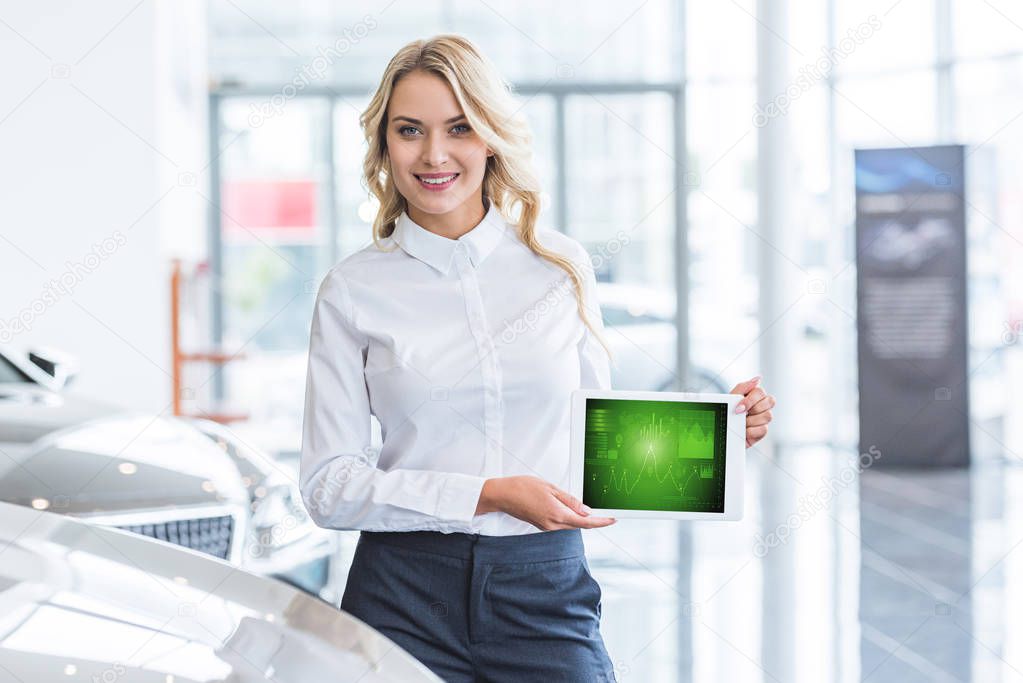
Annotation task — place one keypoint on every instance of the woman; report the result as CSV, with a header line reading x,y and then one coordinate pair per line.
x,y
464,331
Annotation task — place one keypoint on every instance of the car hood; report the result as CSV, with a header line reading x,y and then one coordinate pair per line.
x,y
29,411
100,604
81,457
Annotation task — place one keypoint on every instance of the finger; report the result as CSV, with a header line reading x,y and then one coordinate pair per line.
x,y
743,388
568,519
571,502
766,403
595,522
752,398
756,433
562,518
761,418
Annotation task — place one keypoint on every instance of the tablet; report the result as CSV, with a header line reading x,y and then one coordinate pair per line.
x,y
658,454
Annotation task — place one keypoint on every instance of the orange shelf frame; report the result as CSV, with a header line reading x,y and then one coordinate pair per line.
x,y
180,358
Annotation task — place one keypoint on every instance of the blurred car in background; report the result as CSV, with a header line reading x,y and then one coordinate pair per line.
x,y
642,336
282,541
178,480
83,602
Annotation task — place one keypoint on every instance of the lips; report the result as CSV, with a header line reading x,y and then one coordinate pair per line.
x,y
436,181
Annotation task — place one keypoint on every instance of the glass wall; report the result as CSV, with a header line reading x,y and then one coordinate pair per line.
x,y
944,73
605,129
275,217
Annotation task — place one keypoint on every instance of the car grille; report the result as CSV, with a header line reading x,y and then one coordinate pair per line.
x,y
210,535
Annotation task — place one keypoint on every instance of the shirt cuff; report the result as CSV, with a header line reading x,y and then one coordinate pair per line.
x,y
459,497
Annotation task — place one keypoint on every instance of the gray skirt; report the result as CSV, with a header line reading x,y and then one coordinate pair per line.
x,y
483,608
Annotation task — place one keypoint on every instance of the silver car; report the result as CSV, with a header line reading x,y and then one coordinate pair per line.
x,y
183,481
83,602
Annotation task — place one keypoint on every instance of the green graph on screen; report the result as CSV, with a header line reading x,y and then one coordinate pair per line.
x,y
654,455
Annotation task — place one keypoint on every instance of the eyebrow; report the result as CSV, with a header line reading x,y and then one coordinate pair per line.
x,y
418,122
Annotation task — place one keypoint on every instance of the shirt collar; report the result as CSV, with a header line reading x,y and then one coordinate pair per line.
x,y
437,251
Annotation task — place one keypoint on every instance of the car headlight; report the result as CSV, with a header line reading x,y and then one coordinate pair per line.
x,y
277,517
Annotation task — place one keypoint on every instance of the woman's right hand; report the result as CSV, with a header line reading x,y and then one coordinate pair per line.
x,y
538,502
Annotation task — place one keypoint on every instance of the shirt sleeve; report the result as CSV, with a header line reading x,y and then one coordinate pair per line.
x,y
594,364
341,485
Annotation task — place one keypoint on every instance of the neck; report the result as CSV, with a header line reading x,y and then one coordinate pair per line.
x,y
453,224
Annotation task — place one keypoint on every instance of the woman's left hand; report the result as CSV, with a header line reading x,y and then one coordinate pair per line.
x,y
757,404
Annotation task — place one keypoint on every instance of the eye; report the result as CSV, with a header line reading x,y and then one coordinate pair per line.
x,y
463,126
401,131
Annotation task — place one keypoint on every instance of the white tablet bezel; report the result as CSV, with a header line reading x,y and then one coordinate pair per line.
x,y
735,451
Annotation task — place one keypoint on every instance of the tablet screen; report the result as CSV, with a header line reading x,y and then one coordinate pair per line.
x,y
654,455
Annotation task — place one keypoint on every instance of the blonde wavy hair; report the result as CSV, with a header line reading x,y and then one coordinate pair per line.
x,y
487,102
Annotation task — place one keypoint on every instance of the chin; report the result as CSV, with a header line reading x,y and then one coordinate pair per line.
x,y
431,204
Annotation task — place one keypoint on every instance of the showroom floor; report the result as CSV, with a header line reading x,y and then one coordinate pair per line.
x,y
869,574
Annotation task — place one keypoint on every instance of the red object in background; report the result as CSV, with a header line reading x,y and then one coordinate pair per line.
x,y
259,204
180,357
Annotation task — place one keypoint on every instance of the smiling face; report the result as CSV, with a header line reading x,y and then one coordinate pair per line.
x,y
437,161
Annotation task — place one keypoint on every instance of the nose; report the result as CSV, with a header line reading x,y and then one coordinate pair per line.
x,y
434,151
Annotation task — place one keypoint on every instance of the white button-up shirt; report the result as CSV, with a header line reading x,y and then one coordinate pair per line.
x,y
467,352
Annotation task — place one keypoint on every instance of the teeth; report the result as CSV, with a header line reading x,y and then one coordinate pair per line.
x,y
437,181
